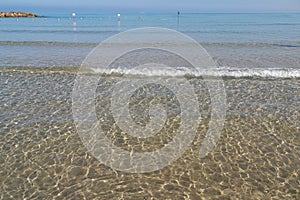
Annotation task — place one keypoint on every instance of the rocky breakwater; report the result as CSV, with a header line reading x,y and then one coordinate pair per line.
x,y
17,14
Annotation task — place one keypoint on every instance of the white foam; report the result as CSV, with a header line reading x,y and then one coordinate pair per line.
x,y
218,72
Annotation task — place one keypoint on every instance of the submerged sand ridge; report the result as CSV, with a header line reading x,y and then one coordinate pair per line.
x,y
16,14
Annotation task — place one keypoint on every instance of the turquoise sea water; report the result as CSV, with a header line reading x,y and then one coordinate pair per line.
x,y
247,41
281,29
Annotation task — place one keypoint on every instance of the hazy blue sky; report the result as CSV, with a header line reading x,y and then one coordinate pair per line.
x,y
155,5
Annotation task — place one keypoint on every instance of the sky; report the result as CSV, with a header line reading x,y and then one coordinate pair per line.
x,y
152,5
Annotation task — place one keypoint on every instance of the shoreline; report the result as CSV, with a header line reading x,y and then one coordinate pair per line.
x,y
255,74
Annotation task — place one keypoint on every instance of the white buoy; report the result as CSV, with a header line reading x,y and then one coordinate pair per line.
x,y
74,21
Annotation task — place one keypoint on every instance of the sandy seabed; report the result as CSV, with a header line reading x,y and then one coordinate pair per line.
x,y
42,156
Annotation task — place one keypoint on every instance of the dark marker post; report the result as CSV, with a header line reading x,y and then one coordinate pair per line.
x,y
178,14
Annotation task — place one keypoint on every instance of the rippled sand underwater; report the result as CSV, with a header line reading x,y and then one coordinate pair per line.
x,y
42,156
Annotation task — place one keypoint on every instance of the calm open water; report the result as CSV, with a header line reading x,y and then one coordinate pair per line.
x,y
247,41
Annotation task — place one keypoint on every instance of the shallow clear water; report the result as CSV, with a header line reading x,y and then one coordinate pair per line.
x,y
42,155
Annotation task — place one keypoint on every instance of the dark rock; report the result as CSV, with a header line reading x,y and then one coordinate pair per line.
x,y
16,14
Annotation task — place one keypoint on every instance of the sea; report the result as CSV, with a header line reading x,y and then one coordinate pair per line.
x,y
264,44
44,155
